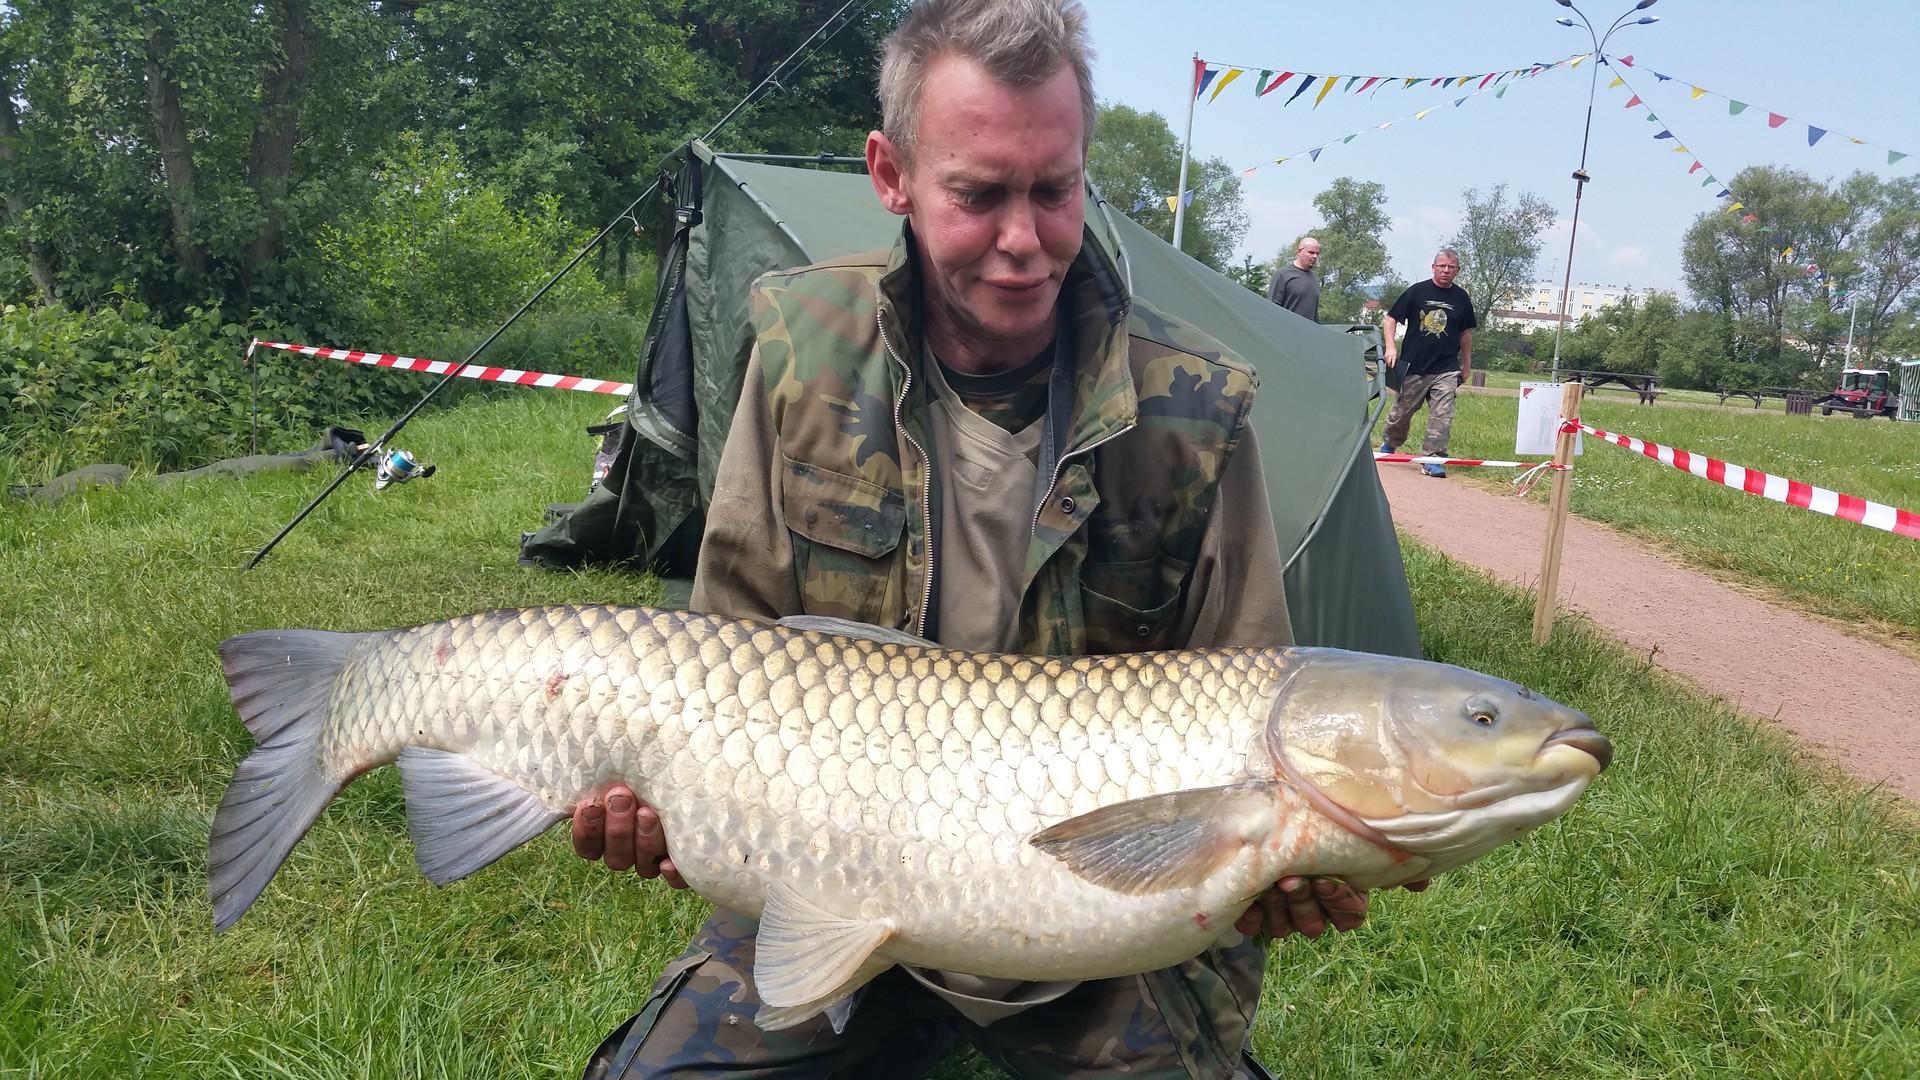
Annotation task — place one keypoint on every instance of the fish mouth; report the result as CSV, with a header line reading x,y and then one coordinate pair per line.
x,y
1586,739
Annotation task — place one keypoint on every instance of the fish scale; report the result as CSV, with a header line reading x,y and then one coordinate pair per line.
x,y
876,799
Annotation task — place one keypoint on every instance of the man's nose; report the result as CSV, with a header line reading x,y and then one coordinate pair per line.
x,y
1019,229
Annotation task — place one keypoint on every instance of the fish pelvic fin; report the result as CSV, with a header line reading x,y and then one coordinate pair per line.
x,y
837,1005
807,958
279,681
1162,842
463,815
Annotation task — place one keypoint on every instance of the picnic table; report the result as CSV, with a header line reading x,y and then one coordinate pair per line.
x,y
1639,384
1760,395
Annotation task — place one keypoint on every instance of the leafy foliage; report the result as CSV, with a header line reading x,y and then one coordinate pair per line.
x,y
1135,159
1499,242
434,247
1353,251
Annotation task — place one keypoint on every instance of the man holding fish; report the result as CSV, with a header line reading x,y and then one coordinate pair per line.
x,y
947,439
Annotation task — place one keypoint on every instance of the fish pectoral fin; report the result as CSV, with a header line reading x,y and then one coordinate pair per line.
x,y
464,815
804,953
1162,842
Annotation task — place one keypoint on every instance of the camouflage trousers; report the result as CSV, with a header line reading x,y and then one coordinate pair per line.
x,y
1184,1021
1436,391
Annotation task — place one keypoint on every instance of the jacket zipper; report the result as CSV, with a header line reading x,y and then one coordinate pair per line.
x,y
1060,466
926,484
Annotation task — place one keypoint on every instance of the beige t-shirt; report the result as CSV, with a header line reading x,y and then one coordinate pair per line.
x,y
986,519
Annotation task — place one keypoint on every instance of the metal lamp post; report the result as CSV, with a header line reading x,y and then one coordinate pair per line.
x,y
1580,176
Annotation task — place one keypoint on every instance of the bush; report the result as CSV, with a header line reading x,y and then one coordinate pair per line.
x,y
429,266
434,250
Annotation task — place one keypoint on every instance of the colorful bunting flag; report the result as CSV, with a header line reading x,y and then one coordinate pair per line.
x,y
1735,108
1632,101
1202,75
1774,119
1323,92
1697,94
1225,81
1814,133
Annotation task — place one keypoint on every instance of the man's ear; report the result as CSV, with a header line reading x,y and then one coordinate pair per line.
x,y
888,175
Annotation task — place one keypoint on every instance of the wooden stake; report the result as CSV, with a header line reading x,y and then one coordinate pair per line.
x,y
1549,590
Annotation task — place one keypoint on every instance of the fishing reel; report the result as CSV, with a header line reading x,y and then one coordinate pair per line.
x,y
397,466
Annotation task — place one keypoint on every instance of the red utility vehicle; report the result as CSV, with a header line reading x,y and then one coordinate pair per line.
x,y
1864,392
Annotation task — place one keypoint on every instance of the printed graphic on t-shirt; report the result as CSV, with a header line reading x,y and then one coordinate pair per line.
x,y
1433,321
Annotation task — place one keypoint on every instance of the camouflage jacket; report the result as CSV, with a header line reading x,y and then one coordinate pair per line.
x,y
825,495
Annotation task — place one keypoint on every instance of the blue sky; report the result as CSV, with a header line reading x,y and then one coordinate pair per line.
x,y
1849,66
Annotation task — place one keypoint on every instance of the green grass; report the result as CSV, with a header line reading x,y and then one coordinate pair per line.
x,y
1715,906
1849,572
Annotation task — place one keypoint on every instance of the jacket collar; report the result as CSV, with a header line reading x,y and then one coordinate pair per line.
x,y
1093,301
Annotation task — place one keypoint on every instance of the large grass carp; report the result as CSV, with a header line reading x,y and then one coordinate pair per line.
x,y
874,799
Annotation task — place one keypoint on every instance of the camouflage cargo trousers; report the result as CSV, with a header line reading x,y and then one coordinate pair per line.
x,y
1436,391
1185,1021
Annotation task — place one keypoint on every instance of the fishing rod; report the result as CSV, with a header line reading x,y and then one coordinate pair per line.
x,y
371,452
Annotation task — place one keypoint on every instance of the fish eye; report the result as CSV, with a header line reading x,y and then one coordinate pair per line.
x,y
1483,717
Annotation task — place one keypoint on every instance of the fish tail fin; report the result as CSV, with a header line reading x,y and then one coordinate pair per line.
x,y
279,681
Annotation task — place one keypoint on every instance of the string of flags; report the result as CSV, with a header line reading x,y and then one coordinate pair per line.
x,y
1497,88
1725,194
1220,76
1735,108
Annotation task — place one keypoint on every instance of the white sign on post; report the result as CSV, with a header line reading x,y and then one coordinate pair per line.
x,y
1539,424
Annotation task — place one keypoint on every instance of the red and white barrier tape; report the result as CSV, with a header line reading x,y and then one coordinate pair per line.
x,y
1525,481
441,367
1767,486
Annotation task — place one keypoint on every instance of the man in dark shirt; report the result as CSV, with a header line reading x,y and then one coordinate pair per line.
x,y
1439,319
1294,287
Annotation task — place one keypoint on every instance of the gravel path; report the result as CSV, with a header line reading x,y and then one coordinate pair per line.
x,y
1766,661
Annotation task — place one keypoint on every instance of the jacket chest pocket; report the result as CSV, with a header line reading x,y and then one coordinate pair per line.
x,y
1133,606
846,535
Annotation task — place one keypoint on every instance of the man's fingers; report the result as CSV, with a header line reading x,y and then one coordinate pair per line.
x,y
620,829
1345,906
589,830
1303,908
670,875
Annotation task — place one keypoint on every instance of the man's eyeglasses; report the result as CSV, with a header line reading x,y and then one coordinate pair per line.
x,y
1446,266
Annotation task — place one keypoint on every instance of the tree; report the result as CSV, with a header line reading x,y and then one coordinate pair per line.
x,y
1352,254
1499,242
1754,272
1134,163
1884,289
1255,276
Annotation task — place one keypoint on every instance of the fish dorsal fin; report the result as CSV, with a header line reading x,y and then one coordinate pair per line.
x,y
804,953
464,815
826,624
1162,842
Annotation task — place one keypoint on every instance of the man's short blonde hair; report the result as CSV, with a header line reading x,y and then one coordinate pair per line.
x,y
1020,43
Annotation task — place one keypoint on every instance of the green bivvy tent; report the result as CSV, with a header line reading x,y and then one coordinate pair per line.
x,y
731,219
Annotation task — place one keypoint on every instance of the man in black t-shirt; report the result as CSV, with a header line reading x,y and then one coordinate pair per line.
x,y
1439,319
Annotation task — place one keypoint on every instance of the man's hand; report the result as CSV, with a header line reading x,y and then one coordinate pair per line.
x,y
1298,905
625,833
1391,358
